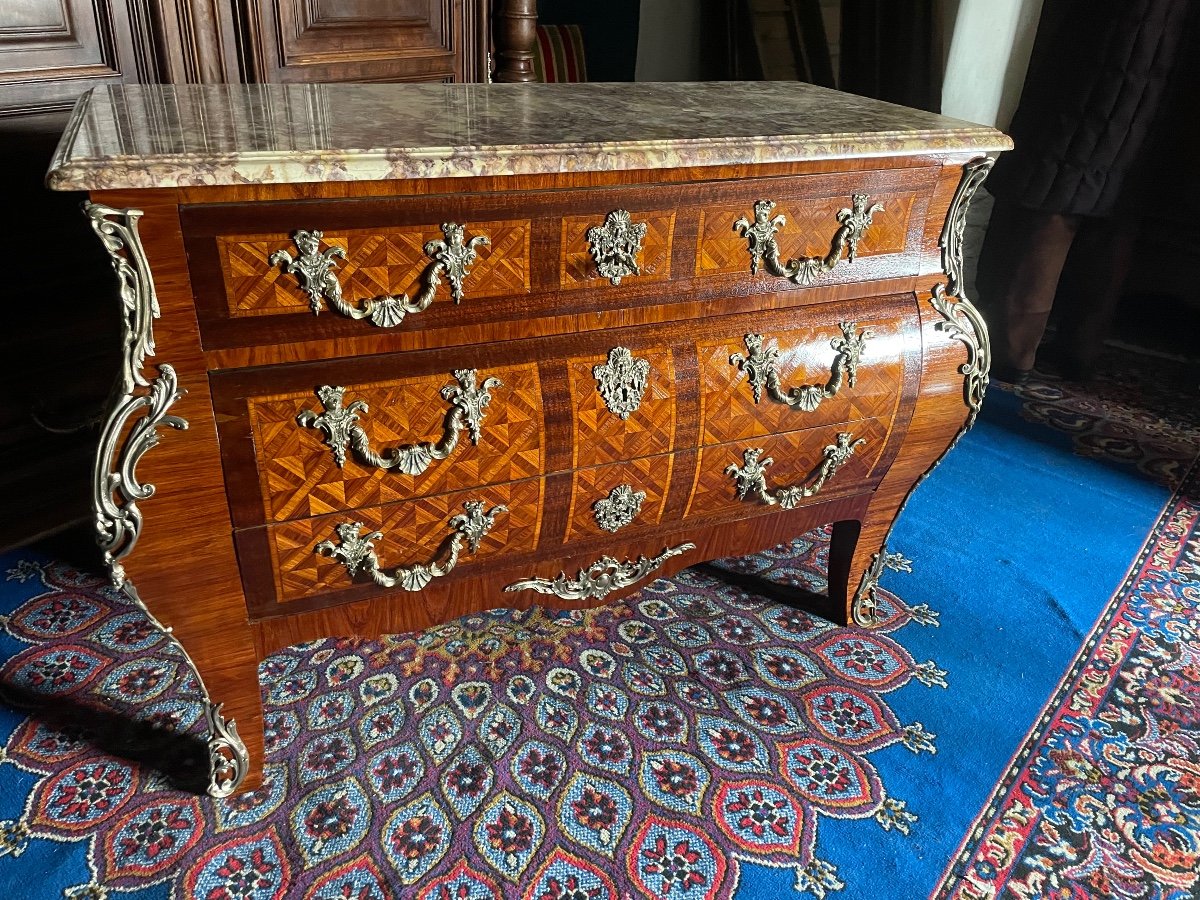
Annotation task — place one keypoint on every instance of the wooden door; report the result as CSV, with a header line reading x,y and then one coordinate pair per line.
x,y
51,51
367,40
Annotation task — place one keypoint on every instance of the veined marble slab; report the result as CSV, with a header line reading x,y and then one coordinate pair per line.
x,y
147,136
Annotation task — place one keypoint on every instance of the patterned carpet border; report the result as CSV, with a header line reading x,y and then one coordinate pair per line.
x,y
1103,797
1135,413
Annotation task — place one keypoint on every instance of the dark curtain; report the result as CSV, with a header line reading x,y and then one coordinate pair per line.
x,y
610,33
888,52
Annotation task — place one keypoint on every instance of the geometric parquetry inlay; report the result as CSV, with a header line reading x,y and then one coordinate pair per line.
x,y
727,408
602,436
376,264
811,224
412,532
650,475
578,268
300,477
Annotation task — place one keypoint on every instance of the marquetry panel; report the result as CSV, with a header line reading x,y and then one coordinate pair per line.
x,y
797,456
578,268
651,475
377,263
811,225
727,408
412,533
300,477
601,436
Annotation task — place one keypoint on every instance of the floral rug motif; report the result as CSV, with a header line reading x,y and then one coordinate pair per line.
x,y
1103,798
642,749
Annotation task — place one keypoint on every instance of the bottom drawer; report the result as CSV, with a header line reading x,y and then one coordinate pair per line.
x,y
281,565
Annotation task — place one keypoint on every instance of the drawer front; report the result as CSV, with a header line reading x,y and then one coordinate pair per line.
x,y
285,271
299,438
413,533
783,379
621,498
786,468
367,263
623,404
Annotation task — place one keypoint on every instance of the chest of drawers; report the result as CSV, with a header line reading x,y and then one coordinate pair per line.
x,y
397,354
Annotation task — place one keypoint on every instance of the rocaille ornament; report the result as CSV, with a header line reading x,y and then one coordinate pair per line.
x,y
315,269
762,246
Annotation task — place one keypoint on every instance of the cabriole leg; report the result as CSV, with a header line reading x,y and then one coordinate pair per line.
x,y
140,405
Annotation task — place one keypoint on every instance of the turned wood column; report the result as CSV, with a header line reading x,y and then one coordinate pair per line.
x,y
515,33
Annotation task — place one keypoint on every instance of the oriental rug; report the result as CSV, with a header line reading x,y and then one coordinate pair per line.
x,y
646,748
1102,798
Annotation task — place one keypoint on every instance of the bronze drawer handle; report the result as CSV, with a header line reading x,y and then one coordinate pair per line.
x,y
314,269
357,553
750,478
616,244
468,402
601,578
762,366
760,238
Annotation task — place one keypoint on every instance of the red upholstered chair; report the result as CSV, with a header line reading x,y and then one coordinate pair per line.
x,y
558,54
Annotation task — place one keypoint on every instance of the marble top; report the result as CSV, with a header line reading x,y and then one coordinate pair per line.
x,y
146,136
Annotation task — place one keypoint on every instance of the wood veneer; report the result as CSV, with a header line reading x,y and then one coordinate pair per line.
x,y
257,491
229,246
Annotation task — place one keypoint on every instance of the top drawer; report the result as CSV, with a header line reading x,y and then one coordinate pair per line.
x,y
375,267
267,275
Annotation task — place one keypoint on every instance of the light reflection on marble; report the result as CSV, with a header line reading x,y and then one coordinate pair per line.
x,y
142,136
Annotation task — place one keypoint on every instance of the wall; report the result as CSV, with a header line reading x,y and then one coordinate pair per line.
x,y
669,46
990,43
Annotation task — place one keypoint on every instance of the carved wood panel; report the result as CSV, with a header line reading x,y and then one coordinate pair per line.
x,y
299,476
412,533
811,225
649,475
376,263
602,436
51,51
797,457
728,410
368,40
654,261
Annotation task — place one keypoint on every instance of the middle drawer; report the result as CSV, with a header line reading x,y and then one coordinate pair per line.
x,y
311,439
